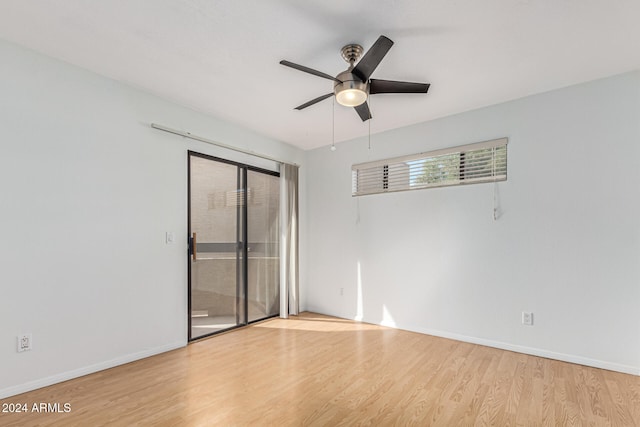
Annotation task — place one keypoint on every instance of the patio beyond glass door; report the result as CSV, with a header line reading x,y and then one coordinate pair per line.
x,y
231,283
263,252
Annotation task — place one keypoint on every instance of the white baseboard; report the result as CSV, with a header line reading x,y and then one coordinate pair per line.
x,y
571,358
64,376
595,363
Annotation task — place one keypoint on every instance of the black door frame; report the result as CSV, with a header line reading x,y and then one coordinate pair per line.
x,y
242,283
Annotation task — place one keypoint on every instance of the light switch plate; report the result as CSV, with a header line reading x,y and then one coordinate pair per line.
x,y
169,237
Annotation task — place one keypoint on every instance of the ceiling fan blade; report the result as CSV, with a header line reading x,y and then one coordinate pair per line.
x,y
372,58
363,111
308,70
314,101
390,86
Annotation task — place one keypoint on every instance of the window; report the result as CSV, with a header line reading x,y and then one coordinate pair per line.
x,y
467,164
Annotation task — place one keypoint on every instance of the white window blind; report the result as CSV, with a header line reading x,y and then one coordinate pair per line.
x,y
467,164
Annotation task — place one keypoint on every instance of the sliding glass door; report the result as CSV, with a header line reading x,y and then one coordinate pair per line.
x,y
233,245
263,253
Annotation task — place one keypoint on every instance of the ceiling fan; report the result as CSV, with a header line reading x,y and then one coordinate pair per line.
x,y
353,86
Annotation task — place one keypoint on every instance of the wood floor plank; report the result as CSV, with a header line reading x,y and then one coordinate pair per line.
x,y
316,370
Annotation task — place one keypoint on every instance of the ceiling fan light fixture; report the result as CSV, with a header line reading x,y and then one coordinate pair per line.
x,y
351,97
350,92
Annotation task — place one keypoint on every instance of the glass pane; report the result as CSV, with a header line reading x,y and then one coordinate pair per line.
x,y
215,274
435,170
263,231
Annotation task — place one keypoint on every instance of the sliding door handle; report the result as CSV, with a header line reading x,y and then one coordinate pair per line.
x,y
194,247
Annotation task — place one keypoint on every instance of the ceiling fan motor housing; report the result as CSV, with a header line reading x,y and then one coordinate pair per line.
x,y
350,90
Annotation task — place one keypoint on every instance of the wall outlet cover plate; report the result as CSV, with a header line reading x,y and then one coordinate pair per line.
x,y
24,342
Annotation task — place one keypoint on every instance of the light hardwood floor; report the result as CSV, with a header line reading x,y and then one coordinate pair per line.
x,y
322,371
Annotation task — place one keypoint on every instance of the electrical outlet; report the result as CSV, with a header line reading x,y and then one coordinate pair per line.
x,y
24,342
341,291
527,318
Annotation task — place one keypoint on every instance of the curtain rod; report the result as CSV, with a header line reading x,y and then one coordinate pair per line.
x,y
219,144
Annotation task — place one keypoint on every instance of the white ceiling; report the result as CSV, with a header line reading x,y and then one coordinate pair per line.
x,y
221,57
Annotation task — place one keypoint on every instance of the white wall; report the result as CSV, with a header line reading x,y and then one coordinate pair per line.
x,y
87,192
566,245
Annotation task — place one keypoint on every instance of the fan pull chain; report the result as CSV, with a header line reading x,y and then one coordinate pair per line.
x,y
369,123
369,134
333,124
495,187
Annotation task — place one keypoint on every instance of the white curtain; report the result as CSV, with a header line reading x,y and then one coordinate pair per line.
x,y
289,275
